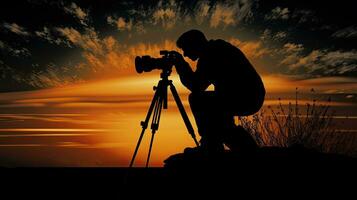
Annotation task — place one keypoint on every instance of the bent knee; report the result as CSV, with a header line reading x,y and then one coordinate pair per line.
x,y
191,97
200,97
195,97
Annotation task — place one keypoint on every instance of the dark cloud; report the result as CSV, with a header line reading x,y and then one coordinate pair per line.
x,y
166,14
15,28
278,13
120,23
77,12
269,35
304,16
322,63
229,13
69,41
349,32
13,51
51,36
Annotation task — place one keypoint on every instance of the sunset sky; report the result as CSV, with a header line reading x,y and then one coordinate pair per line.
x,y
70,95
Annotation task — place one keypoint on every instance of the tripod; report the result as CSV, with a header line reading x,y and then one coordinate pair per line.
x,y
158,102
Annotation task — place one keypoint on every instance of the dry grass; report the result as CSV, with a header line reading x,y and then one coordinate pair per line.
x,y
310,125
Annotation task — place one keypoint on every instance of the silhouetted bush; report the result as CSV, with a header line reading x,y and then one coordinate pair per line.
x,y
310,125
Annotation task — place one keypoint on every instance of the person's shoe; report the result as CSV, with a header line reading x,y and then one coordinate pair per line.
x,y
205,148
193,150
239,140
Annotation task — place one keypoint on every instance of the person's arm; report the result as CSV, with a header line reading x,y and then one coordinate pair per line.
x,y
194,81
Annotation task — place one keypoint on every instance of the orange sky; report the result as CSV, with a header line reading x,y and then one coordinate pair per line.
x,y
102,118
141,84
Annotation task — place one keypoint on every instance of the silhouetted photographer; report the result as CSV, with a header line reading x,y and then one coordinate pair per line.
x,y
239,90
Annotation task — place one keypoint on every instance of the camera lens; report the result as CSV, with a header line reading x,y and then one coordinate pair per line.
x,y
138,64
147,63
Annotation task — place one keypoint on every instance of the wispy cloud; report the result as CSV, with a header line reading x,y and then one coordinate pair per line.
x,y
322,62
293,48
348,32
303,16
252,49
78,13
13,51
54,76
202,11
228,13
121,23
266,35
88,40
166,16
48,35
103,56
278,13
280,35
291,53
223,14
15,28
6,71
107,55
269,36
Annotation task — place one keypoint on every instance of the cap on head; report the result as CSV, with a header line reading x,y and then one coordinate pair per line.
x,y
192,38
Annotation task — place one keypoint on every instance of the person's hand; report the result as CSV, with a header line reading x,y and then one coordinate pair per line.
x,y
176,57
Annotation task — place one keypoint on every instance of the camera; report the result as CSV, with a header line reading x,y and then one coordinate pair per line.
x,y
147,63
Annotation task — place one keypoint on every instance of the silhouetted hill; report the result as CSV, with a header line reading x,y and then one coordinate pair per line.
x,y
294,168
268,163
296,155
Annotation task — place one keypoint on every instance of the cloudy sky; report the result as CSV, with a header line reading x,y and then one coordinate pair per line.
x,y
53,43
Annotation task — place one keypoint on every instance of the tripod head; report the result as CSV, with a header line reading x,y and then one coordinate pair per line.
x,y
165,73
163,85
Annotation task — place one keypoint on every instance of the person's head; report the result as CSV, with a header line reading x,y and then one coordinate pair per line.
x,y
192,42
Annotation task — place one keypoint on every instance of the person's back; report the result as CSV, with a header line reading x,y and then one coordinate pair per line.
x,y
233,76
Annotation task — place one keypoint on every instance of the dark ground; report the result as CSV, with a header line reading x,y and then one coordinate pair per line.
x,y
270,168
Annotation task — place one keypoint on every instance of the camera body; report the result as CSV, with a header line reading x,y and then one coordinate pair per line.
x,y
147,63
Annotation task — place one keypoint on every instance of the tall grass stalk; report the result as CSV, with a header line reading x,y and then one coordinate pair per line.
x,y
312,127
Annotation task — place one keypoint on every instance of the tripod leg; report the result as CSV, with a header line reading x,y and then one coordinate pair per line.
x,y
155,125
149,153
183,113
144,125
